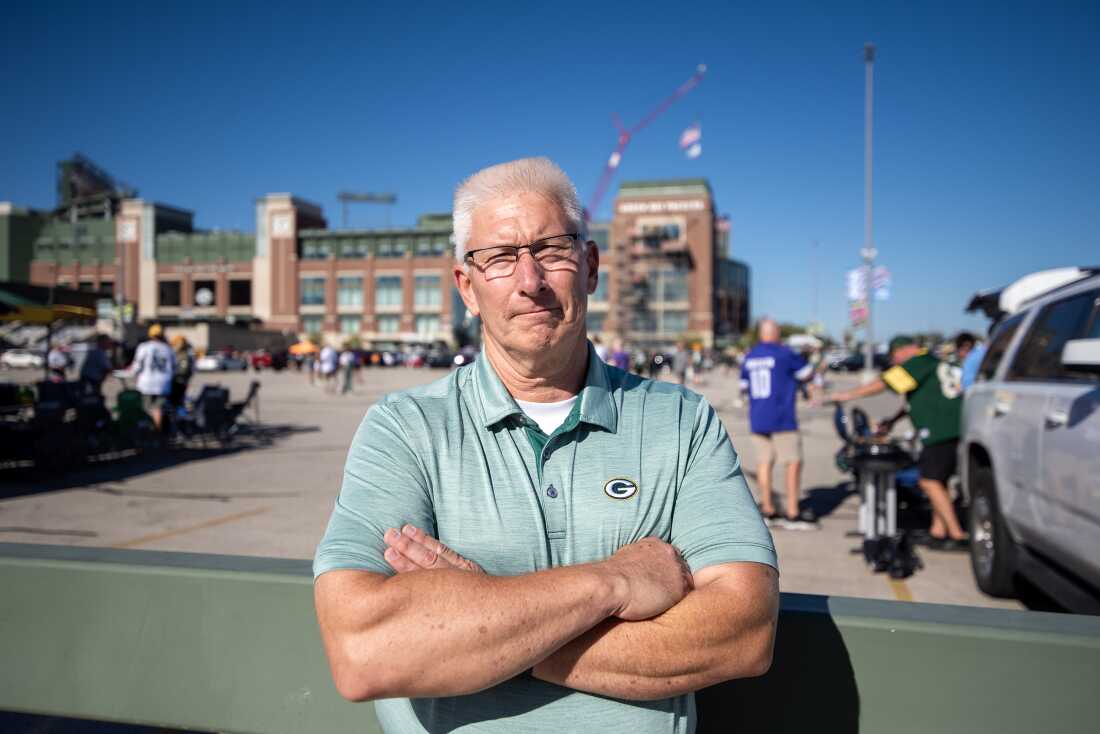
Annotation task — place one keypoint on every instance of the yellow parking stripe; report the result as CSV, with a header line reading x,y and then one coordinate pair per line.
x,y
901,590
181,531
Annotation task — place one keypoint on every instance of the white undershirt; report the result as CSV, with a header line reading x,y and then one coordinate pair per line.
x,y
548,415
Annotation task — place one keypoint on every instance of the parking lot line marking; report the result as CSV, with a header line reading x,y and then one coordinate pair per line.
x,y
191,528
901,590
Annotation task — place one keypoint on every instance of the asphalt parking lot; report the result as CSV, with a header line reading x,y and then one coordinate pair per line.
x,y
270,494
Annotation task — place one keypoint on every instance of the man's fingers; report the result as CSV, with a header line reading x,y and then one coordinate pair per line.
x,y
450,555
411,549
444,555
398,562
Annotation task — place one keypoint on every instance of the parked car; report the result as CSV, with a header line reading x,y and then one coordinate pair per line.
x,y
219,363
261,360
854,362
439,357
22,359
1029,455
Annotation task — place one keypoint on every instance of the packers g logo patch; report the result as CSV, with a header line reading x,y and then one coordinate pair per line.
x,y
620,488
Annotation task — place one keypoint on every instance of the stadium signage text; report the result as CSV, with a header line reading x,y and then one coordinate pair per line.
x,y
659,207
203,268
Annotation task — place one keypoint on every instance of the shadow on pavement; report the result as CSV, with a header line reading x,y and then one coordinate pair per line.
x,y
20,482
824,500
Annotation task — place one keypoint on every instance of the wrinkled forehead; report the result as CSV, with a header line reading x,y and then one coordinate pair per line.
x,y
515,218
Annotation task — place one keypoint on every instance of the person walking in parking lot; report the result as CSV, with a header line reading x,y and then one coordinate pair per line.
x,y
771,374
329,362
153,367
933,391
347,369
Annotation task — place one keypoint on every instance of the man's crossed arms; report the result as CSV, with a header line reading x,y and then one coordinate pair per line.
x,y
638,625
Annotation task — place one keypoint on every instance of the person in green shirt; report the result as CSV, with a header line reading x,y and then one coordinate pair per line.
x,y
933,393
540,541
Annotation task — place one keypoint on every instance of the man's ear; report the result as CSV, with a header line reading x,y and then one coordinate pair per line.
x,y
466,289
592,255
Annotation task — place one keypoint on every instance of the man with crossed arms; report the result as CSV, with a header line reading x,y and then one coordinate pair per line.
x,y
540,541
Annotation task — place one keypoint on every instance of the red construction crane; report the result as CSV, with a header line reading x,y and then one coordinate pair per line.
x,y
626,135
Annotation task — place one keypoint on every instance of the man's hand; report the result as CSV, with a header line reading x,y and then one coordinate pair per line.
x,y
653,578
411,549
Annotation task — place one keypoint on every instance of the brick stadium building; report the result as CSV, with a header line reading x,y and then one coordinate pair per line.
x,y
664,271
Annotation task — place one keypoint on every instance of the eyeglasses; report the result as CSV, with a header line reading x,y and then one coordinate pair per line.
x,y
499,261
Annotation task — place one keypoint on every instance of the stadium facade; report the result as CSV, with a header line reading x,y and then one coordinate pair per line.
x,y
665,273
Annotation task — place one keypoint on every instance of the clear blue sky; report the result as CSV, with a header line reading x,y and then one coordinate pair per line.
x,y
986,150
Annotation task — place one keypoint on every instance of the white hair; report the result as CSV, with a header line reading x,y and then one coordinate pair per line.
x,y
526,175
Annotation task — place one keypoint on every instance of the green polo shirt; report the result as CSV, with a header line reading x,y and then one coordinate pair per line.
x,y
459,459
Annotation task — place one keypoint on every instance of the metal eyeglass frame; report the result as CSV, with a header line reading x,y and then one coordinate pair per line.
x,y
467,257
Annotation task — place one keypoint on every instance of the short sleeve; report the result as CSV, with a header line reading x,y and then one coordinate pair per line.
x,y
799,367
907,377
899,379
715,519
384,487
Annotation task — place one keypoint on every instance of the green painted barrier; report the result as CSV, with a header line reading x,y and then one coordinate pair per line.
x,y
227,643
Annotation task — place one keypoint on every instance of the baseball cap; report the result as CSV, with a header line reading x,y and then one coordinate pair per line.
x,y
900,341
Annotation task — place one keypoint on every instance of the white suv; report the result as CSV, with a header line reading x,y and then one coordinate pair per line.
x,y
1030,449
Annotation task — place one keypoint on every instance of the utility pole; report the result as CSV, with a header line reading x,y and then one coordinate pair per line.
x,y
868,252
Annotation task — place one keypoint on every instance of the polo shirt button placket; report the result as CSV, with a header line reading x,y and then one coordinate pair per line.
x,y
552,491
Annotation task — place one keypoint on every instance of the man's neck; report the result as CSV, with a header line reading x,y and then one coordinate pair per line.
x,y
546,377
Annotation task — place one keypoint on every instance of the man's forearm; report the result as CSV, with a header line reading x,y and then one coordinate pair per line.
x,y
448,632
871,388
716,633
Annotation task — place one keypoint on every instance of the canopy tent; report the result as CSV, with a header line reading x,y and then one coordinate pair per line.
x,y
35,304
304,348
45,306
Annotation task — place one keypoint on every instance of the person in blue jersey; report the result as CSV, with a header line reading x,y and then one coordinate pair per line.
x,y
771,375
969,353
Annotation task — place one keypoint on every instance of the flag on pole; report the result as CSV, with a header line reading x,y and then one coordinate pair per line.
x,y
691,140
692,135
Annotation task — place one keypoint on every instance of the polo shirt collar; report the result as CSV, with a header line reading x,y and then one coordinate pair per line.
x,y
597,406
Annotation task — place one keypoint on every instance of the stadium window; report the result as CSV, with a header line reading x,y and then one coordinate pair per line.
x,y
387,291
314,250
312,292
428,292
168,293
349,325
600,295
427,326
240,293
389,324
349,291
674,322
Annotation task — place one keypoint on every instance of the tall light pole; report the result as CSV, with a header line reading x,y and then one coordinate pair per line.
x,y
868,252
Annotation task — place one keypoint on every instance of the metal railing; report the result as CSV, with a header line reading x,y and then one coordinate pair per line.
x,y
228,643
